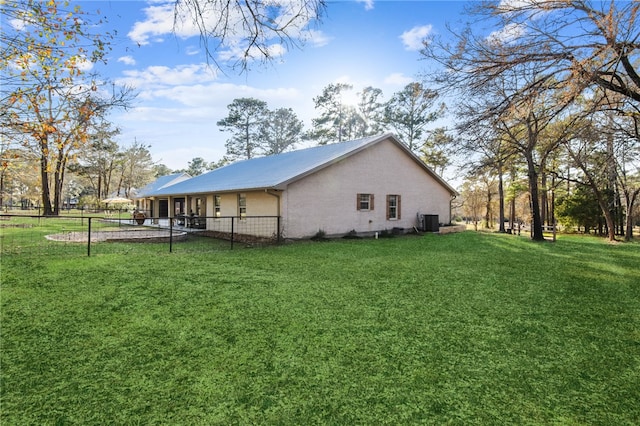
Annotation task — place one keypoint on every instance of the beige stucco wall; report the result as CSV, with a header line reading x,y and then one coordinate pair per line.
x,y
259,203
326,200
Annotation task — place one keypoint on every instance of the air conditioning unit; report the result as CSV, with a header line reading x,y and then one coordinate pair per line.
x,y
429,223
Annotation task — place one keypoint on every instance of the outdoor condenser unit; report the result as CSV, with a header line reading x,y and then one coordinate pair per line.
x,y
430,223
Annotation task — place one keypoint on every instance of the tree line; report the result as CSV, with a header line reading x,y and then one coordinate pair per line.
x,y
257,130
548,109
545,104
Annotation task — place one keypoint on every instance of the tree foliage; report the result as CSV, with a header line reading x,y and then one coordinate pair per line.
x,y
331,125
197,166
244,121
281,131
135,170
410,110
96,162
49,96
341,120
434,151
542,57
579,209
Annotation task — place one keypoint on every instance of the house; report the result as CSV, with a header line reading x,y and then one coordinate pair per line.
x,y
366,185
146,202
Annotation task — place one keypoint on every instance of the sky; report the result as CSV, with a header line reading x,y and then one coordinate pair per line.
x,y
181,96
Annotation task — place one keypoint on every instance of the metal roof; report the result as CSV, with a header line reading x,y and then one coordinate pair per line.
x,y
276,171
161,182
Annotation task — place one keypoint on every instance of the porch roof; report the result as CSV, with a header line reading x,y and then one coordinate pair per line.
x,y
161,182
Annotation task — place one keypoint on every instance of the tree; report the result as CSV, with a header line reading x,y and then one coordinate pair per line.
x,y
579,209
434,150
567,47
97,160
472,197
371,111
245,119
135,169
409,111
577,43
626,127
248,30
281,131
47,94
160,170
197,166
333,122
592,150
525,127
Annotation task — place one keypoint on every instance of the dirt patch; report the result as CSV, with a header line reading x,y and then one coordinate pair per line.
x,y
128,235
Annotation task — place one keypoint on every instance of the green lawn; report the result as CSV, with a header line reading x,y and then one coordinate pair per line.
x,y
458,329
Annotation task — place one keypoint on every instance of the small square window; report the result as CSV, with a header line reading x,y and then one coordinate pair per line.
x,y
365,202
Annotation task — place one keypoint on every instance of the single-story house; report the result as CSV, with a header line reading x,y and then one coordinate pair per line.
x,y
145,200
366,185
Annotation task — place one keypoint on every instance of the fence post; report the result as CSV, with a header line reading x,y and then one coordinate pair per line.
x,y
89,238
278,230
170,235
232,220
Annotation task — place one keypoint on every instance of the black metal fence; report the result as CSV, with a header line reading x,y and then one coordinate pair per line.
x,y
122,232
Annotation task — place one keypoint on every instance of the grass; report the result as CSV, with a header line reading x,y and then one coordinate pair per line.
x,y
459,329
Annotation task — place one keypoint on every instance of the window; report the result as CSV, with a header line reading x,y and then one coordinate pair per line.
x,y
365,202
393,207
199,206
242,205
216,205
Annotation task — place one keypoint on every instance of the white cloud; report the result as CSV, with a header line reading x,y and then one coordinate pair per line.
x,y
398,79
154,76
192,50
237,53
127,60
316,38
413,38
17,24
506,35
368,4
164,17
219,95
161,20
84,65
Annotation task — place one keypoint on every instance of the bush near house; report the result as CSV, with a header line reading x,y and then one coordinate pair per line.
x,y
465,328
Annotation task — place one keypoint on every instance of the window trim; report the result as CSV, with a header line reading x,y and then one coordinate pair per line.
x,y
397,207
242,206
369,201
217,205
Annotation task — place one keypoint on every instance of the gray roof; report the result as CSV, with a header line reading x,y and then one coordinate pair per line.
x,y
276,171
161,182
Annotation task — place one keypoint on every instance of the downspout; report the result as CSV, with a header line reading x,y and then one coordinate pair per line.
x,y
276,193
453,197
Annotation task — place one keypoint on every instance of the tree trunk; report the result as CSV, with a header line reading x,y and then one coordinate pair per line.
x,y
603,202
487,215
544,202
512,213
501,201
44,178
536,225
629,198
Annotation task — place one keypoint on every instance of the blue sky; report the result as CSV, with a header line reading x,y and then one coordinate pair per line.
x,y
181,97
